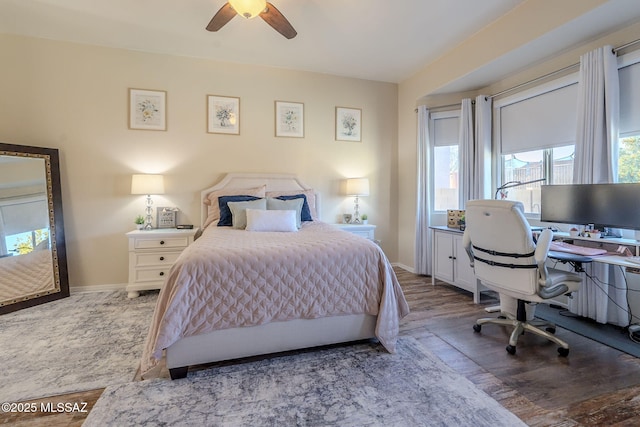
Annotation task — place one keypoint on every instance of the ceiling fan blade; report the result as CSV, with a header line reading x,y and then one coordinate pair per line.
x,y
273,17
221,17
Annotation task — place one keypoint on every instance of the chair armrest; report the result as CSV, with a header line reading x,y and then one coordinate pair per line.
x,y
552,292
542,250
466,243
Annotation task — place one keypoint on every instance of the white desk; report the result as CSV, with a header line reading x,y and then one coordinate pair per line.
x,y
451,263
615,284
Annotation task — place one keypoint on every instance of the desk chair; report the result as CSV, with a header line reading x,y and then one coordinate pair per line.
x,y
506,259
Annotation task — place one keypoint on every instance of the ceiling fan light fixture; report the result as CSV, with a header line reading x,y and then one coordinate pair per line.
x,y
248,8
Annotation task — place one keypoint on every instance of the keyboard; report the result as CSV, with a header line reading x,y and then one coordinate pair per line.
x,y
574,249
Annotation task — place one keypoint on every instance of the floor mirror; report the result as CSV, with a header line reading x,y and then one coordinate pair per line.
x,y
33,260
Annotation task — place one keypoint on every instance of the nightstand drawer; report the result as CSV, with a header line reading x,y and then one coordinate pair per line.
x,y
160,242
151,274
363,230
365,234
143,259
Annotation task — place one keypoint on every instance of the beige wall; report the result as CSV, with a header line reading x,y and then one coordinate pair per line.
x,y
524,24
74,97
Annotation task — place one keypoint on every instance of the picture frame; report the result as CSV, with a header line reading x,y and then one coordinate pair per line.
x,y
289,119
223,114
348,124
166,217
147,109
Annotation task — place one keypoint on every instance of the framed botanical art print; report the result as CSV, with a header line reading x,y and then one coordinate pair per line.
x,y
289,119
147,109
348,124
223,114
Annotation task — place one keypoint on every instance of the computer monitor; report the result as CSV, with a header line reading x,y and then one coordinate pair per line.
x,y
604,205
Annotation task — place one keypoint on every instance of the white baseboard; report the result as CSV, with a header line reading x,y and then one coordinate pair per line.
x,y
98,288
402,266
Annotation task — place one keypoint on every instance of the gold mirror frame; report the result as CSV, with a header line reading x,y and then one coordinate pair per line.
x,y
60,287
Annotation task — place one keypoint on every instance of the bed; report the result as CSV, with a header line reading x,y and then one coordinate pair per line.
x,y
24,276
246,289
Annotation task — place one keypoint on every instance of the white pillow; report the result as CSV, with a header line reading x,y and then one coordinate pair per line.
x,y
260,220
239,211
286,205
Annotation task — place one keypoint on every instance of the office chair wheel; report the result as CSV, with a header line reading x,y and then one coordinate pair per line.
x,y
477,327
511,349
563,352
550,330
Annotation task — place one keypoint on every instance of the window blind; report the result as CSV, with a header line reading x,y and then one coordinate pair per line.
x,y
446,127
629,100
23,216
541,121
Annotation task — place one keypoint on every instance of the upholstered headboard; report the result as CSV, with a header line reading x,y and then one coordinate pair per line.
x,y
273,182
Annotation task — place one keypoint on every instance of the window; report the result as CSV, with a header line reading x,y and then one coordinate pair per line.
x,y
629,159
23,243
629,142
555,165
446,174
536,139
446,160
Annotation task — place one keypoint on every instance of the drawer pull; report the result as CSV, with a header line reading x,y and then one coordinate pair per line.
x,y
162,242
161,258
162,273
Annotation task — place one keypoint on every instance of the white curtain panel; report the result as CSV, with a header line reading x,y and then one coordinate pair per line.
x,y
482,182
467,153
598,118
596,162
422,260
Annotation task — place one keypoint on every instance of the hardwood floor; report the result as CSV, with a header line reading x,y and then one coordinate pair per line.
x,y
594,386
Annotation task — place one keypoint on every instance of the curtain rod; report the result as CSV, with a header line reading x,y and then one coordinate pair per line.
x,y
624,46
553,73
614,50
445,106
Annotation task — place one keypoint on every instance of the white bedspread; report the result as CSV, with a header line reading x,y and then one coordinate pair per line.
x,y
230,278
28,274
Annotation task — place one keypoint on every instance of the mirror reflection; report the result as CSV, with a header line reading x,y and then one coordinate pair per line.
x,y
30,242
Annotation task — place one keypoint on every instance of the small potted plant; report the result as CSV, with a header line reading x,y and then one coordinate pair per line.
x,y
365,218
139,222
462,223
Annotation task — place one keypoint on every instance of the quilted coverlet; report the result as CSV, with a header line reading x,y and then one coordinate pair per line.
x,y
232,278
26,274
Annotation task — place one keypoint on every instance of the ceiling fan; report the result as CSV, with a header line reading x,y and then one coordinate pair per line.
x,y
250,9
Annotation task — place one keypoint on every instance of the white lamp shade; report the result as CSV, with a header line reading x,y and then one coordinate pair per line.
x,y
357,187
147,184
248,8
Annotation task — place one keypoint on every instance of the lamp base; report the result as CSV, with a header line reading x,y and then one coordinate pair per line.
x,y
148,220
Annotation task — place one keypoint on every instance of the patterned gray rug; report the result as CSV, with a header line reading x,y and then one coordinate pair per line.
x,y
84,342
351,385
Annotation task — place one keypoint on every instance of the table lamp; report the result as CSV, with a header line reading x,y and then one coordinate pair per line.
x,y
147,184
357,187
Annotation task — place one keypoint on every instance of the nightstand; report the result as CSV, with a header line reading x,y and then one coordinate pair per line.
x,y
365,230
151,255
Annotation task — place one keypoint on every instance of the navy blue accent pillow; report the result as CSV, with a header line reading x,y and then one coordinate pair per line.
x,y
226,219
305,215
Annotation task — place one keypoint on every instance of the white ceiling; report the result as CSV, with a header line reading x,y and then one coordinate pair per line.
x,y
383,40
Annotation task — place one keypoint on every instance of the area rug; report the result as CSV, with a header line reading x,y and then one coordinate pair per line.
x,y
609,335
87,341
350,385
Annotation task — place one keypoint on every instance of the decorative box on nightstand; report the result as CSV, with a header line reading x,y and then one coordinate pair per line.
x,y
151,255
365,230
